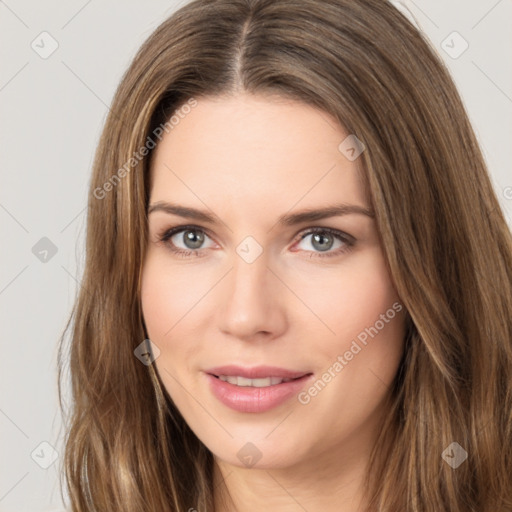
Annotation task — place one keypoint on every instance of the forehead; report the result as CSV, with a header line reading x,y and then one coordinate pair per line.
x,y
254,153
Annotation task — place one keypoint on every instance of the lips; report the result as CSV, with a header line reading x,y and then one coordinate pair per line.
x,y
255,389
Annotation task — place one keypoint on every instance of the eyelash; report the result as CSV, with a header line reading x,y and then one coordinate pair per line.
x,y
348,240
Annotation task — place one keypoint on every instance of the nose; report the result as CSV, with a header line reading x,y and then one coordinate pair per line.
x,y
253,301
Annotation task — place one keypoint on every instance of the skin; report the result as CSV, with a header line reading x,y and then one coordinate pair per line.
x,y
248,160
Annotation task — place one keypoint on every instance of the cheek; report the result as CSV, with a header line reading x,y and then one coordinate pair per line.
x,y
366,318
356,364
157,315
158,300
173,306
369,293
163,303
170,295
352,297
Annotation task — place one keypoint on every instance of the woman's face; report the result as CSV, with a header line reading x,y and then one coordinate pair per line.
x,y
261,289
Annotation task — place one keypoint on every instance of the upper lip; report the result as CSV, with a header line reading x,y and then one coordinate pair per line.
x,y
256,372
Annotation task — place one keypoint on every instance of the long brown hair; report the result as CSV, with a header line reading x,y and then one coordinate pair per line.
x,y
447,244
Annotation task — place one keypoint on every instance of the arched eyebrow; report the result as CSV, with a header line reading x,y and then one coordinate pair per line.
x,y
287,219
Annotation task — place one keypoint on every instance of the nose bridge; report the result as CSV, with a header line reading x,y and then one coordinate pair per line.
x,y
250,267
249,280
250,302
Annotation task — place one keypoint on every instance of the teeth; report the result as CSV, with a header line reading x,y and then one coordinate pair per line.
x,y
256,383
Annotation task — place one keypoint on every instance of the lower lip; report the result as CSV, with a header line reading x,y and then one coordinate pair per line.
x,y
252,399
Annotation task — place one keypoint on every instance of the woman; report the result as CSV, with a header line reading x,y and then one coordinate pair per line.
x,y
297,292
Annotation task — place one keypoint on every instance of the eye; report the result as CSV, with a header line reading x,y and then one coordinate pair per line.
x,y
191,237
323,240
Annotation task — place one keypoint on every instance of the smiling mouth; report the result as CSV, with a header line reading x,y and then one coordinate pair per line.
x,y
258,389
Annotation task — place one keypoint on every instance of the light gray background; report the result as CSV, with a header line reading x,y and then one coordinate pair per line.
x,y
51,113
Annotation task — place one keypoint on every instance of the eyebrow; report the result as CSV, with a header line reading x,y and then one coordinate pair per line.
x,y
289,219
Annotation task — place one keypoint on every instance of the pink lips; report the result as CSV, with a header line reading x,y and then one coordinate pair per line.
x,y
255,399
